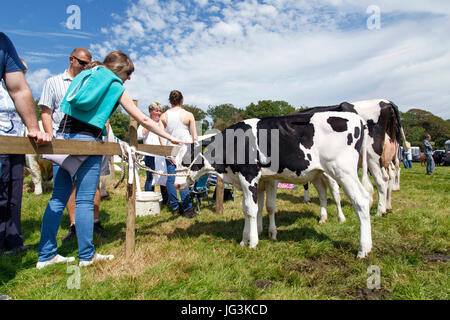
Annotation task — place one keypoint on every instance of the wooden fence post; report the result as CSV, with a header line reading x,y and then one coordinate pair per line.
x,y
131,196
219,196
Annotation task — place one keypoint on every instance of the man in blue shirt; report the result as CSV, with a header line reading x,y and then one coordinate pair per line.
x,y
428,151
17,95
11,71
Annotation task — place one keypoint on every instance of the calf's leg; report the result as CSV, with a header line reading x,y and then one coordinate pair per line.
x,y
271,192
250,207
323,198
359,197
334,188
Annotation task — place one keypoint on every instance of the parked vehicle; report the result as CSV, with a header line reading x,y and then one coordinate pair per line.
x,y
416,154
447,153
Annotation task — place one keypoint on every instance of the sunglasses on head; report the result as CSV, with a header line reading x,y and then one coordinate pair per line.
x,y
81,62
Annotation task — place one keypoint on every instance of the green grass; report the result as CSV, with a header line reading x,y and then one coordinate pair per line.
x,y
176,258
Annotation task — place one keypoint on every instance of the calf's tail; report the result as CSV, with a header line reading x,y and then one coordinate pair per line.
x,y
400,133
367,184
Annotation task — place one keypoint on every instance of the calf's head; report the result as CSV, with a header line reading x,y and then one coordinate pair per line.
x,y
190,164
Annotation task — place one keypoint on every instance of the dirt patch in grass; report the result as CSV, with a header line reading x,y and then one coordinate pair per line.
x,y
368,294
262,284
437,257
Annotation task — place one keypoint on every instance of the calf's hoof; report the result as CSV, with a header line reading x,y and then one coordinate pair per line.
x,y
341,220
253,245
273,235
322,221
364,252
380,214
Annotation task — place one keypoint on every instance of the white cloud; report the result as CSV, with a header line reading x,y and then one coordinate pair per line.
x,y
36,80
293,50
202,3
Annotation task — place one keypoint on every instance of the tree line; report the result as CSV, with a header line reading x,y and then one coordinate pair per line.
x,y
216,117
416,122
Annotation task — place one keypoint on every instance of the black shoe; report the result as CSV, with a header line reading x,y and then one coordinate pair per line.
x,y
72,233
178,211
190,213
98,229
17,250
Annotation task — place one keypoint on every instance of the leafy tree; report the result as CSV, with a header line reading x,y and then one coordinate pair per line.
x,y
225,115
38,109
267,108
120,123
199,116
226,112
198,113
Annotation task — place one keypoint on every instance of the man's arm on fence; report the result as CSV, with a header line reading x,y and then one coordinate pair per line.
x,y
21,94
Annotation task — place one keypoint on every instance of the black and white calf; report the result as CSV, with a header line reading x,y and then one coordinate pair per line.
x,y
294,149
385,134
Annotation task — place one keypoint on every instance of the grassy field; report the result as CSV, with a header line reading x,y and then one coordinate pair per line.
x,y
177,258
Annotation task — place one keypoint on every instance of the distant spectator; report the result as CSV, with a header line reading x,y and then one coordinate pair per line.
x,y
428,151
404,160
409,158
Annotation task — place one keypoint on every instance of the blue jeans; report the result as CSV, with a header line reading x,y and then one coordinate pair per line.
x,y
430,164
405,163
409,163
173,198
87,178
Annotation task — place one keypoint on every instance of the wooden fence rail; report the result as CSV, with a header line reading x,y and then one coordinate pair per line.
x,y
22,145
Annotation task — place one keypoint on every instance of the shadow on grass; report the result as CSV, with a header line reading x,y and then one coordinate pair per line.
x,y
11,265
232,230
315,200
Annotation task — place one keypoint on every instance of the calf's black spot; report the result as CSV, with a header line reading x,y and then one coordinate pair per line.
x,y
338,124
349,139
358,144
357,132
254,191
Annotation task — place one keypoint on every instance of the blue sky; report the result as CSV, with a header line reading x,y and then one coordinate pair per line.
x,y
38,29
240,51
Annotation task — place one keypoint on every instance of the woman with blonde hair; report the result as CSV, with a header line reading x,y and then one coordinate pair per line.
x,y
89,102
155,111
181,124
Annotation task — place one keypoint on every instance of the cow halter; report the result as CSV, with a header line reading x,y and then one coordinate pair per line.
x,y
188,169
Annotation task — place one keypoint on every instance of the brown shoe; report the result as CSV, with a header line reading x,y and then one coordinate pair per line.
x,y
72,233
17,250
190,213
